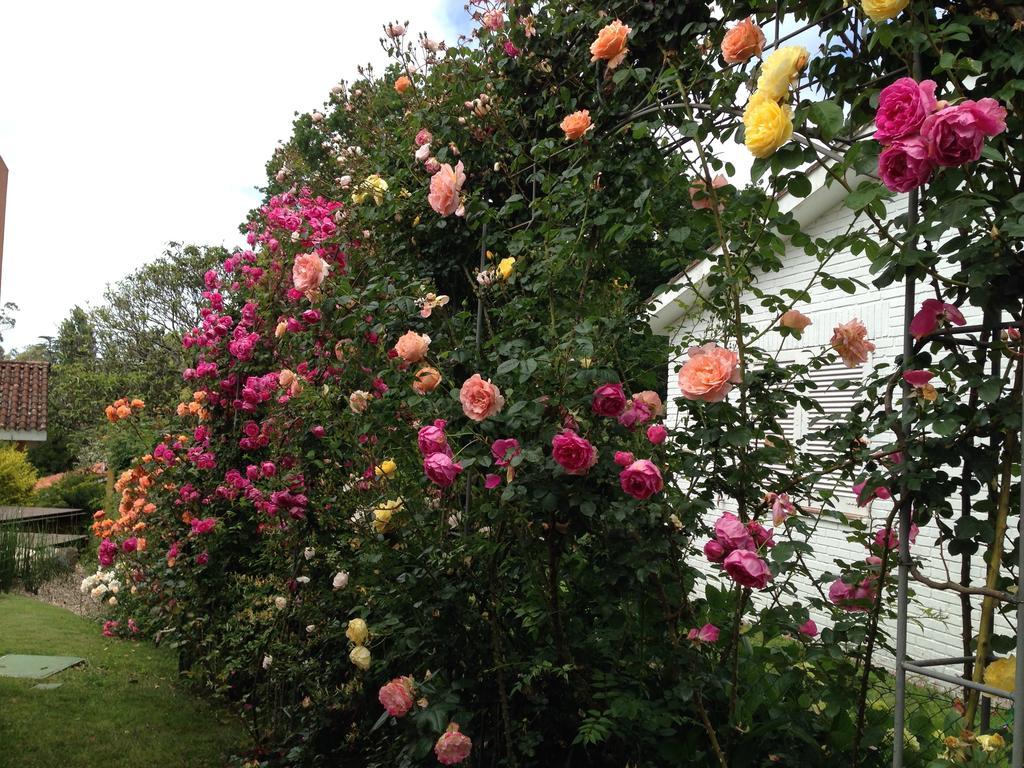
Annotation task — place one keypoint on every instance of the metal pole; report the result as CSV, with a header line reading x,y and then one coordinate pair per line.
x,y
1018,688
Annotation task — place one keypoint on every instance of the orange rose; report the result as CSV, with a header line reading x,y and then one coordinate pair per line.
x,y
426,380
412,347
480,398
403,84
610,45
742,42
709,374
794,320
699,195
576,124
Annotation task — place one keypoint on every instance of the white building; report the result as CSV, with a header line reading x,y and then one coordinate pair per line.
x,y
934,629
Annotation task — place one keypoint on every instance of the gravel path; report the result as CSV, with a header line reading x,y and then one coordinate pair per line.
x,y
64,591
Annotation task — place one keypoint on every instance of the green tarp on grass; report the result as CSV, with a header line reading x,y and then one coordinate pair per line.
x,y
37,667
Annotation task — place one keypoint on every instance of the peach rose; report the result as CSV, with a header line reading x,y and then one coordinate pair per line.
x,y
742,42
610,44
700,198
709,374
426,380
576,125
446,188
308,273
850,340
412,347
480,398
403,84
652,400
794,320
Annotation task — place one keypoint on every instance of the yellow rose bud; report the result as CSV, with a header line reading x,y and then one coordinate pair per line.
x,y
386,468
357,632
780,71
881,10
360,656
767,125
505,267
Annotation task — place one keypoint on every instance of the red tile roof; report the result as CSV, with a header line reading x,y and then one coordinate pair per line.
x,y
23,392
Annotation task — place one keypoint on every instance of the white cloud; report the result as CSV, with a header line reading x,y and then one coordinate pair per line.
x,y
127,125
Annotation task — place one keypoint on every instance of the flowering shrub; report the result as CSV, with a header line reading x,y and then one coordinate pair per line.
x,y
424,504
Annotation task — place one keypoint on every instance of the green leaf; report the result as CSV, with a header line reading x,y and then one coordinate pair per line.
x,y
828,116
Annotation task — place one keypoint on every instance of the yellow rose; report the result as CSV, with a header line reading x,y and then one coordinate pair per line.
x,y
767,125
357,632
881,10
780,71
991,742
386,468
382,515
505,267
360,656
1001,673
373,185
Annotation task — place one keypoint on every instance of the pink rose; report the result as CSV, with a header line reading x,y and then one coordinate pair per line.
x,y
573,453
709,374
494,20
714,551
492,481
308,273
747,569
624,458
917,378
412,347
441,470
480,399
808,628
641,479
396,696
732,534
905,164
850,340
452,747
863,498
423,137
762,536
608,400
446,189
107,552
637,413
889,538
700,198
205,525
504,450
795,320
902,107
432,439
852,598
781,507
656,434
955,135
706,634
933,311
652,400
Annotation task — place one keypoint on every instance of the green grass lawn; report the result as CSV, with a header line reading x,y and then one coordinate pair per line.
x,y
123,709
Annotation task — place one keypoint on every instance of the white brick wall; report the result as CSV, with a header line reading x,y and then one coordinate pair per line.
x,y
934,629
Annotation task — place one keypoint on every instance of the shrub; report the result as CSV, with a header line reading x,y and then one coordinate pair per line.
x,y
76,490
17,476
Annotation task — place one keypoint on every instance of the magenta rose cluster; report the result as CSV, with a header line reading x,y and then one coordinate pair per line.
x,y
920,133
610,400
737,546
438,464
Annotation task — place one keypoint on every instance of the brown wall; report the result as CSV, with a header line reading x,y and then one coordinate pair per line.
x,y
3,210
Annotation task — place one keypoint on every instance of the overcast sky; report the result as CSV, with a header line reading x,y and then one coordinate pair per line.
x,y
128,125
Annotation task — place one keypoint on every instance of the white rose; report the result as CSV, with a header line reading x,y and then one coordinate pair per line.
x,y
340,580
280,602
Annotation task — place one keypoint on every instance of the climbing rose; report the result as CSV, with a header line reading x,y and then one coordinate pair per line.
x,y
423,137
452,747
700,198
905,164
794,320
742,41
714,551
608,400
767,125
360,656
709,374
395,30
657,434
747,569
852,598
917,378
573,453
955,135
888,538
779,71
781,507
902,107
396,696
808,628
357,631
403,84
641,479
308,273
480,399
850,340
441,470
494,20
624,458
491,481
358,401
574,126
431,439
610,44
637,413
446,188
706,634
863,499
652,400
504,450
205,525
933,311
412,347
107,552
426,380
881,10
732,534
